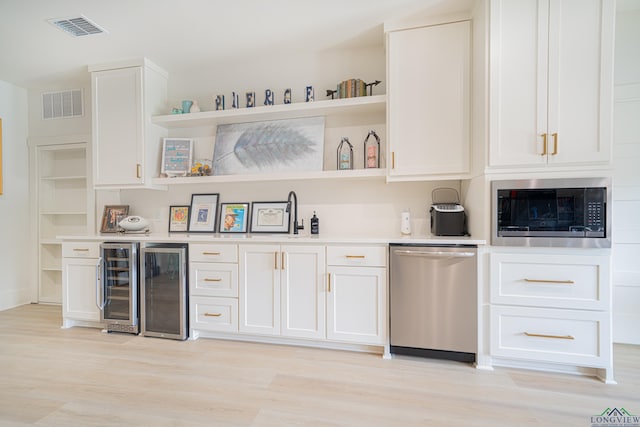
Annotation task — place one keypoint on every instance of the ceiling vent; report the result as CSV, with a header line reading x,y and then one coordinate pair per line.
x,y
60,105
77,26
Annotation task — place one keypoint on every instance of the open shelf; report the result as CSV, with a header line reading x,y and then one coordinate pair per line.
x,y
355,174
360,105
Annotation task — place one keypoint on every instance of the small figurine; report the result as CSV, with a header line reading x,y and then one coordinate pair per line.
x,y
268,97
251,99
370,86
331,93
219,101
309,94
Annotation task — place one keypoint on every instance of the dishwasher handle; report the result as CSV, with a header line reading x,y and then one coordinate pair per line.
x,y
434,254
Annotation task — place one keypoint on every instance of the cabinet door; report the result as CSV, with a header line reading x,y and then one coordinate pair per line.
x,y
79,284
303,291
259,289
550,80
429,105
117,126
580,103
356,305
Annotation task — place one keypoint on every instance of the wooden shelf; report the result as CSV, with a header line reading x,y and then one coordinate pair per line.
x,y
360,105
356,174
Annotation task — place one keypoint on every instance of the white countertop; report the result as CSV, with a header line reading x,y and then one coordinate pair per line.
x,y
274,238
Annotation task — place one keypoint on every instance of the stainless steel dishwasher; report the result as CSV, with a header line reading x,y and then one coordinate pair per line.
x,y
433,301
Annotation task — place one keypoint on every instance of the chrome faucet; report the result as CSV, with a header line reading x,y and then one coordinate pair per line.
x,y
296,227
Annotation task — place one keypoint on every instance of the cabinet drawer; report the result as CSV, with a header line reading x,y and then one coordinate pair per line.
x,y
213,253
572,337
562,281
366,256
213,279
214,314
81,250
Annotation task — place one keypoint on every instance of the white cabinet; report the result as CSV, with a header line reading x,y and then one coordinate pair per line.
x,y
428,117
80,282
551,75
281,290
552,307
63,200
127,147
213,288
356,295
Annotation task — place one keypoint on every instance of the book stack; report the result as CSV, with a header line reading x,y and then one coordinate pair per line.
x,y
351,88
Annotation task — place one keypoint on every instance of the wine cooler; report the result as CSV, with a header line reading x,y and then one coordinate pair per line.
x,y
163,291
117,297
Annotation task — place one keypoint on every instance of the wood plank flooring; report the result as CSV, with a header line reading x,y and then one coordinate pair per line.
x,y
82,377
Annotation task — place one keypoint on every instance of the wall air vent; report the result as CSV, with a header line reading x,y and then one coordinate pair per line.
x,y
77,26
60,105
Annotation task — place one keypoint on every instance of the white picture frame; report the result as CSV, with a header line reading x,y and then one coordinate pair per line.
x,y
177,155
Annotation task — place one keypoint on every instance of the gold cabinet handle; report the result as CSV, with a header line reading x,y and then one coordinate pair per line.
x,y
213,314
559,337
393,160
80,250
275,260
206,279
544,144
565,282
555,143
138,170
210,253
355,256
329,282
282,261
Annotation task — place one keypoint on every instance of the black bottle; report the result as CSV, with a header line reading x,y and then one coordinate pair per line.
x,y
315,224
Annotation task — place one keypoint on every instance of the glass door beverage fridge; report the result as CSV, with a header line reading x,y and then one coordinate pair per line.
x,y
118,296
163,291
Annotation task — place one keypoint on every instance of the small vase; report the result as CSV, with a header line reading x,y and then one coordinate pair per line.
x,y
195,108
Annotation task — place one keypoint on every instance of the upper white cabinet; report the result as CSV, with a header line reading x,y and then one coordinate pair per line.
x,y
551,74
428,70
127,147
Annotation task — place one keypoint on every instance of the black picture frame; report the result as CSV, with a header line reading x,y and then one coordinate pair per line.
x,y
270,217
179,218
203,213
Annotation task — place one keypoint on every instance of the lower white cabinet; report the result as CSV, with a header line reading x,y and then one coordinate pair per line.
x,y
553,307
281,290
356,295
80,281
213,288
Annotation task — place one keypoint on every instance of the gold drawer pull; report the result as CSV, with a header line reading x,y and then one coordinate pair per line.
x,y
210,253
206,279
559,337
80,250
355,256
213,314
564,282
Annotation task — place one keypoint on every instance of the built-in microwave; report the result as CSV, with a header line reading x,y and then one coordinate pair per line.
x,y
573,212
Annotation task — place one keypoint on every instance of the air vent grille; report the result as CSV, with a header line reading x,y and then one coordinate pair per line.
x,y
64,104
77,26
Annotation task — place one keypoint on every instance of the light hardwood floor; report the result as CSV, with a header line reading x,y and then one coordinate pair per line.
x,y
82,377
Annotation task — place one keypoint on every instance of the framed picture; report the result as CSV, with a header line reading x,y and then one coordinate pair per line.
x,y
234,217
112,215
202,214
178,219
176,156
269,217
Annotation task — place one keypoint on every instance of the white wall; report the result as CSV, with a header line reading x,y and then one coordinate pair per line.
x,y
626,179
18,269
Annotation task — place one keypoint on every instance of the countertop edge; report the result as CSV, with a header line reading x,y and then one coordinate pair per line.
x,y
272,238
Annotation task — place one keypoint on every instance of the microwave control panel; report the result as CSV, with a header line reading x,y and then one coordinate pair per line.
x,y
595,215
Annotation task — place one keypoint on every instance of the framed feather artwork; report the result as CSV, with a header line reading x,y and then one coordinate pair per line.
x,y
276,146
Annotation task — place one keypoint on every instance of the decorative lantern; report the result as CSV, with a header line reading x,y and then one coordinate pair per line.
x,y
345,154
372,150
